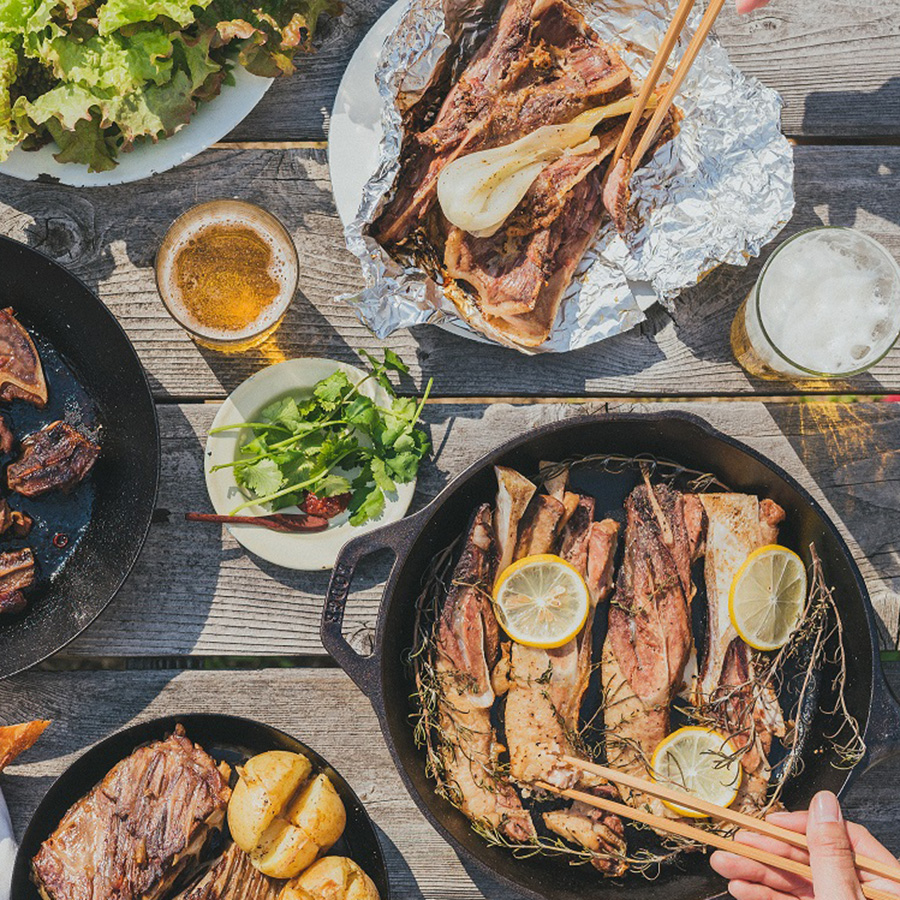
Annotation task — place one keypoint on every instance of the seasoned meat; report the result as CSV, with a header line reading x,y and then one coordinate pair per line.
x,y
138,830
467,650
21,372
16,576
7,438
649,638
232,877
14,523
57,456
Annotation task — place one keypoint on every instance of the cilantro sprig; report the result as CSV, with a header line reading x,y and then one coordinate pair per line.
x,y
336,441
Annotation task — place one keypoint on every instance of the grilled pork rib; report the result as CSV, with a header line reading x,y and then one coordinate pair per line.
x,y
728,684
468,648
649,637
56,457
138,830
232,877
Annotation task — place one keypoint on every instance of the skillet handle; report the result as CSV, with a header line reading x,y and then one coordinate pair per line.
x,y
884,733
362,669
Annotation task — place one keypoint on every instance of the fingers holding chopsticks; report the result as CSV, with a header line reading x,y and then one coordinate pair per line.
x,y
832,843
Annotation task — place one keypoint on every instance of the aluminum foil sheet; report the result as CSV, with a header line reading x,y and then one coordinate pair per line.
x,y
716,194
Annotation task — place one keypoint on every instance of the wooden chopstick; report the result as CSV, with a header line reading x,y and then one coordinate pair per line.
x,y
675,826
690,55
656,69
733,816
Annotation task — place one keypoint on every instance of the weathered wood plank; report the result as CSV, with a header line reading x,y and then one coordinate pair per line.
x,y
320,707
109,237
833,62
194,591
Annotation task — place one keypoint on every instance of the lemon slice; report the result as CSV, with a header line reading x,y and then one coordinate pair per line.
x,y
767,597
700,762
541,601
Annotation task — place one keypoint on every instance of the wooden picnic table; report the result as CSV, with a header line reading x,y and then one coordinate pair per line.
x,y
203,626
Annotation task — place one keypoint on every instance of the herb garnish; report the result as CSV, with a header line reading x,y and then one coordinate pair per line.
x,y
336,442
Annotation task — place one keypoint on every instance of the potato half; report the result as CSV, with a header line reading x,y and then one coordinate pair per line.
x,y
284,850
333,878
267,784
319,811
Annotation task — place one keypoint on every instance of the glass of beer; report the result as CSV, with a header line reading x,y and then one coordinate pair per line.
x,y
227,272
826,305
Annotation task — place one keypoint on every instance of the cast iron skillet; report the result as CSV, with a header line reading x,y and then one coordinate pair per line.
x,y
91,365
385,676
229,738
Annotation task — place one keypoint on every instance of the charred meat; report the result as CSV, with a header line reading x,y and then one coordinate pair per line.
x,y
7,438
56,457
16,576
138,830
21,372
232,877
13,522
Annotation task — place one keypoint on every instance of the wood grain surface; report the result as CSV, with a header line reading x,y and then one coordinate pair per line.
x,y
834,63
109,237
325,710
195,591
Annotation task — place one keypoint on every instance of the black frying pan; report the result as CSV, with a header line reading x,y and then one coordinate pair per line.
x,y
94,376
385,676
229,738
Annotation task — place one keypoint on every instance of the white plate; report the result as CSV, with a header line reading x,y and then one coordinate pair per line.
x,y
354,142
308,552
210,123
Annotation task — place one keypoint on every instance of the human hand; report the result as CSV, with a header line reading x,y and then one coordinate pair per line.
x,y
832,843
745,6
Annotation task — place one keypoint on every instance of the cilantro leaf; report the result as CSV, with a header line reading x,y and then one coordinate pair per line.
x,y
262,477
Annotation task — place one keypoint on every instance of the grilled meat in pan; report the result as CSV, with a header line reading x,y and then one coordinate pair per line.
x,y
751,715
468,648
21,372
649,639
138,830
57,457
232,877
16,576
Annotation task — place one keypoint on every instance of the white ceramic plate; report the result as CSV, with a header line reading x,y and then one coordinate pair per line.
x,y
354,140
308,552
210,123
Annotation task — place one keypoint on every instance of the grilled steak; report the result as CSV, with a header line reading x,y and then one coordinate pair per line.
x,y
57,456
138,830
233,877
16,576
21,372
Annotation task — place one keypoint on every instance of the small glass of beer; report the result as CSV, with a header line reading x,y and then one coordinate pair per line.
x,y
826,305
227,272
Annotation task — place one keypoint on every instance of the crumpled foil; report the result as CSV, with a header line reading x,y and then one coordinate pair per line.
x,y
717,193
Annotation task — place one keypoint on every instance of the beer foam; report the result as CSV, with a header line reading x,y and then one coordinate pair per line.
x,y
282,268
830,301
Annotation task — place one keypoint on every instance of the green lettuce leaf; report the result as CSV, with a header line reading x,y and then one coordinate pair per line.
x,y
115,14
88,144
9,67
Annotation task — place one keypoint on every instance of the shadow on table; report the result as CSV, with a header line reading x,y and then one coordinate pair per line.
x,y
403,883
850,451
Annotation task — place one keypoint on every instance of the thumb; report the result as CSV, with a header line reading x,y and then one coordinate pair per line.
x,y
830,853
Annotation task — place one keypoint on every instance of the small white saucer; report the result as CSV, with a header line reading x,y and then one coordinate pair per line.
x,y
308,552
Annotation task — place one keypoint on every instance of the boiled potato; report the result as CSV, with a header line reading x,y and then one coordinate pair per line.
x,y
267,784
332,878
284,850
293,892
320,812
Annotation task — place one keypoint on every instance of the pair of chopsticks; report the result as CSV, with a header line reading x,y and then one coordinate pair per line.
x,y
657,68
682,829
